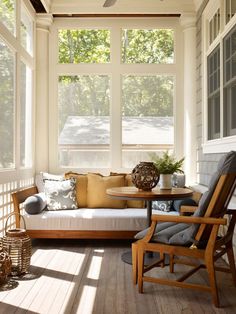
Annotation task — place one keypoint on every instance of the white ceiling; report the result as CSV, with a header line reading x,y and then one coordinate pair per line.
x,y
121,6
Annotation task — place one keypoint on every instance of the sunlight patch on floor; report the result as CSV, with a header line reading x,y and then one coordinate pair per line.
x,y
87,300
95,267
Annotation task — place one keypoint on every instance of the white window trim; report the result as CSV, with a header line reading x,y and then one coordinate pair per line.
x,y
56,69
223,144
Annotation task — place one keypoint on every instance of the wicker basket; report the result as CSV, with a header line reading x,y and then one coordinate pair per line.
x,y
17,244
5,266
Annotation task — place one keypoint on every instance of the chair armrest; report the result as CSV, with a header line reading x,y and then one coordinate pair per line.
x,y
179,219
189,219
187,209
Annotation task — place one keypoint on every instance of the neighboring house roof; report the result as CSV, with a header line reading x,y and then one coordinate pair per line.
x,y
83,130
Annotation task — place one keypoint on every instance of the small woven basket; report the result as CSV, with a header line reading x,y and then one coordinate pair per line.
x,y
17,244
5,266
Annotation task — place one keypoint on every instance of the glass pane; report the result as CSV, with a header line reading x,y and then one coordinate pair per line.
x,y
147,46
233,41
211,31
234,65
233,7
213,64
215,79
26,31
228,70
26,117
228,10
7,84
215,26
84,122
233,108
214,117
8,14
227,48
211,84
147,116
217,115
84,46
210,135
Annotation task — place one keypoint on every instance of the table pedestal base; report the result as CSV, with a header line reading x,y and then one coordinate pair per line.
x,y
149,258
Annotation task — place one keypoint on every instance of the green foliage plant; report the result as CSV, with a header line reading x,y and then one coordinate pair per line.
x,y
167,164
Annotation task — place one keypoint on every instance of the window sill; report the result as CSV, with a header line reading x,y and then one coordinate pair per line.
x,y
220,145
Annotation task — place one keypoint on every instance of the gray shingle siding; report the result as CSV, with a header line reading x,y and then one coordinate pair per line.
x,y
206,163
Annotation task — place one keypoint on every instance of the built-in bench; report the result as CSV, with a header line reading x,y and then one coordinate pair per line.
x,y
120,220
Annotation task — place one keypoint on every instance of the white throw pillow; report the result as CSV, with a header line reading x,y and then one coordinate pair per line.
x,y
60,194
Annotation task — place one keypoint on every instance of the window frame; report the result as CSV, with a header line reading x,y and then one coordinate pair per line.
x,y
116,25
223,143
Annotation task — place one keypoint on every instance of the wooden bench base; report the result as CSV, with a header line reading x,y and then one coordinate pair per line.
x,y
78,234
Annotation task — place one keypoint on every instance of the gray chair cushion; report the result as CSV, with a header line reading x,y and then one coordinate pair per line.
x,y
183,234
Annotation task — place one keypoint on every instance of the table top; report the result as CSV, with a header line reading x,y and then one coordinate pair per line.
x,y
130,192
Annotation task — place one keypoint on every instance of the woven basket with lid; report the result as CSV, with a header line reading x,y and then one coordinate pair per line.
x,y
17,244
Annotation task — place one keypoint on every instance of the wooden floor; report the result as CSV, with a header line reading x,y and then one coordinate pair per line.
x,y
74,276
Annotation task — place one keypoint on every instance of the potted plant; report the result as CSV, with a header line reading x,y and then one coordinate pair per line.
x,y
167,165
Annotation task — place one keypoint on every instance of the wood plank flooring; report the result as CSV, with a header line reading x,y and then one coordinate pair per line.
x,y
82,276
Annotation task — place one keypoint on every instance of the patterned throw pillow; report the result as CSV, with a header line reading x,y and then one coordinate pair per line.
x,y
60,194
164,206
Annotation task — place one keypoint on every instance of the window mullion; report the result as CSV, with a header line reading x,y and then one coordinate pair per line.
x,y
115,110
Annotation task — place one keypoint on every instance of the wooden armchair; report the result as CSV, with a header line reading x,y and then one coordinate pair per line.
x,y
204,248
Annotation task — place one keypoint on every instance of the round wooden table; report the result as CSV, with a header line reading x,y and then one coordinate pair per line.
x,y
132,193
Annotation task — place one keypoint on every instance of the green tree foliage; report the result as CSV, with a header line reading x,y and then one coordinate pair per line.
x,y
147,96
84,46
7,14
147,46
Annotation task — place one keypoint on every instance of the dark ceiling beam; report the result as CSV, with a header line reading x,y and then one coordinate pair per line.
x,y
113,15
38,6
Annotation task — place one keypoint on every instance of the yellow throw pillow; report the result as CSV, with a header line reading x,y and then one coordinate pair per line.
x,y
133,204
80,187
96,192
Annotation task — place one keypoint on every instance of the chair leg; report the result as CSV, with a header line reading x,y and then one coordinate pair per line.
x,y
135,262
212,280
230,254
140,269
171,256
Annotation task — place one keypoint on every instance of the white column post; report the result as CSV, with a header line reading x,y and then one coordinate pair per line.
x,y
43,22
188,22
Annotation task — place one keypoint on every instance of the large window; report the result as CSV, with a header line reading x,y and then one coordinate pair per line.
x,y
147,116
16,102
220,47
16,85
115,92
7,106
